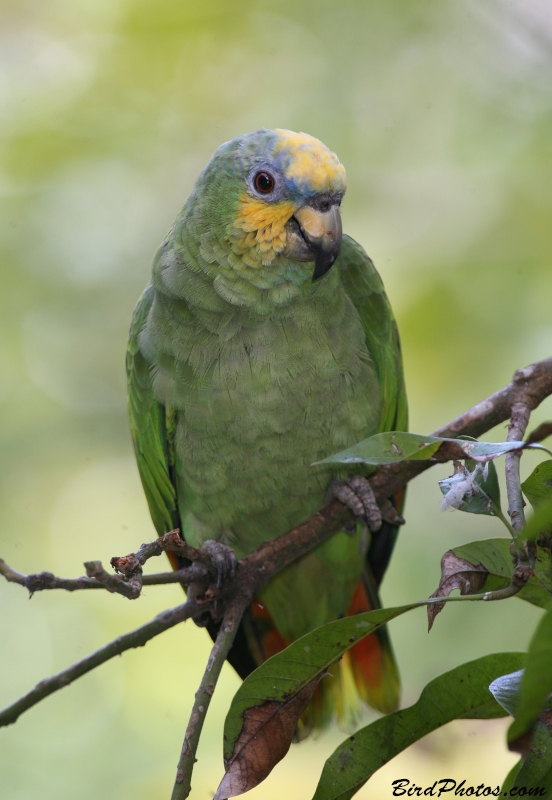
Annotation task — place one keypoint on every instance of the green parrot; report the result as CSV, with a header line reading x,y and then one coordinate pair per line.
x,y
265,342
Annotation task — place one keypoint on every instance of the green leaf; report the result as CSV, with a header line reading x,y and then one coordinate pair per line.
x,y
543,566
487,565
388,448
538,486
535,771
461,693
510,780
539,523
261,721
536,684
494,556
394,446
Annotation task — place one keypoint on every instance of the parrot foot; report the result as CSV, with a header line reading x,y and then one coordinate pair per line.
x,y
221,557
357,494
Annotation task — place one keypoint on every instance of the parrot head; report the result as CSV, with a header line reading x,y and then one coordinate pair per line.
x,y
273,198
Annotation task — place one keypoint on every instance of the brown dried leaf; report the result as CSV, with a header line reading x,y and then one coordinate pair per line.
x,y
265,738
456,573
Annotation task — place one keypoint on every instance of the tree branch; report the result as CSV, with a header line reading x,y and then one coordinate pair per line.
x,y
40,581
529,387
130,580
221,648
516,431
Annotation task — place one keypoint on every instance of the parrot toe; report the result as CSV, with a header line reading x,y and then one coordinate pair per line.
x,y
357,494
221,557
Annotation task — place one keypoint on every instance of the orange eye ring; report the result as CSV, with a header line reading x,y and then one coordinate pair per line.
x,y
264,182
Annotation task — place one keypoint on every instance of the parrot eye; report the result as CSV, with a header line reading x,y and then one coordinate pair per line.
x,y
264,182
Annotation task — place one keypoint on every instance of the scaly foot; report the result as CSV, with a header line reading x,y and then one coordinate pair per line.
x,y
220,557
357,494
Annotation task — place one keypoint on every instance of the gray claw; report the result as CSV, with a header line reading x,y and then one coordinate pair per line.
x,y
222,558
389,513
357,494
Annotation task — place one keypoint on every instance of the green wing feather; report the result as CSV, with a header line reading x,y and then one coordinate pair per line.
x,y
151,425
364,286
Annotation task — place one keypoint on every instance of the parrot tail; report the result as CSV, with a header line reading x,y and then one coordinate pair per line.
x,y
367,671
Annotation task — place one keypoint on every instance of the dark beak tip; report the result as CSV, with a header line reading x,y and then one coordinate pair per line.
x,y
322,264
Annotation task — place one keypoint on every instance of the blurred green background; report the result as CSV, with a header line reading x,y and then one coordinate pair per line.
x,y
441,112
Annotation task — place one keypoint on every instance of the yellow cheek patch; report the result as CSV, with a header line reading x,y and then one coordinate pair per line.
x,y
264,224
254,214
311,162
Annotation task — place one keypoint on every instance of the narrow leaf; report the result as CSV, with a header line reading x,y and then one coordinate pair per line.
x,y
461,693
388,448
536,686
265,710
394,446
264,739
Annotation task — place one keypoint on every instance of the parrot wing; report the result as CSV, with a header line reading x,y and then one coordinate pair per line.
x,y
364,287
151,427
371,661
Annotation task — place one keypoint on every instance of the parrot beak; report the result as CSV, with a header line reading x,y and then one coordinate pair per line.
x,y
318,237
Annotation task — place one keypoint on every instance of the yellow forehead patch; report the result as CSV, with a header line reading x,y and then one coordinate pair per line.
x,y
311,162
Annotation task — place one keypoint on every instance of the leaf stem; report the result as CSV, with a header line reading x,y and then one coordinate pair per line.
x,y
506,522
497,594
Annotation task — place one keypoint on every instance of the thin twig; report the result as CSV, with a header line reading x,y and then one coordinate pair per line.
x,y
96,578
194,574
136,638
225,638
130,580
252,573
40,581
516,431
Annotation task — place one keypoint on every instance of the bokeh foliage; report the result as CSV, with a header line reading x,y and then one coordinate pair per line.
x,y
441,112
